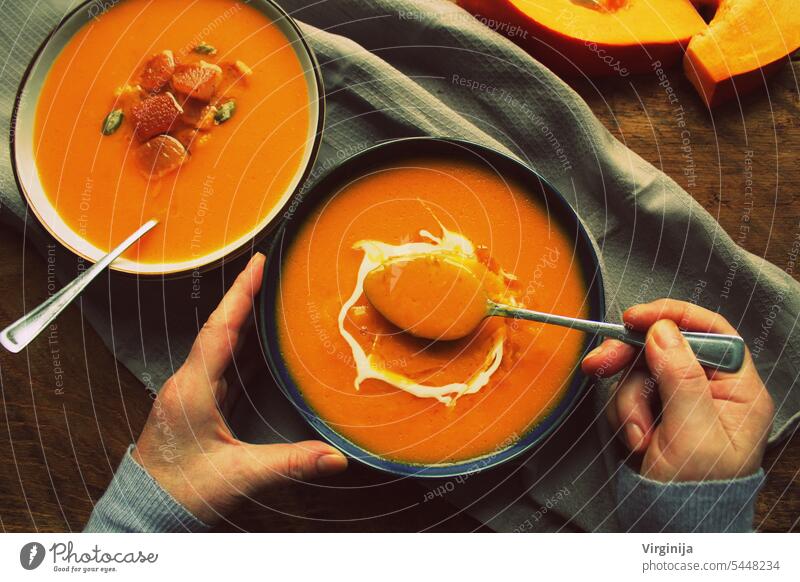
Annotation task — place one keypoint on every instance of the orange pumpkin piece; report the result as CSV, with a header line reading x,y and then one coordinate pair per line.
x,y
236,71
198,115
161,155
197,80
594,37
158,71
745,41
155,115
234,75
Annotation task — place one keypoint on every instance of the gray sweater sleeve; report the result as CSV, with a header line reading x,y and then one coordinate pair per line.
x,y
644,505
135,502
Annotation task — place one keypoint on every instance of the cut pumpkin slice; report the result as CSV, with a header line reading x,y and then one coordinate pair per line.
x,y
594,37
197,80
158,71
161,155
746,41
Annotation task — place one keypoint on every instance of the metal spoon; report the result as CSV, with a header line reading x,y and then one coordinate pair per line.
x,y
443,299
714,350
23,331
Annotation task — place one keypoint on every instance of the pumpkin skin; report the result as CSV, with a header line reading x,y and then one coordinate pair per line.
x,y
745,42
573,39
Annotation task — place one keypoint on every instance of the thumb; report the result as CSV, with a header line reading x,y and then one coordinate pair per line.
x,y
302,461
217,340
682,382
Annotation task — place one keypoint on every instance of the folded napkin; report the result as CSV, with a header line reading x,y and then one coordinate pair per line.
x,y
396,68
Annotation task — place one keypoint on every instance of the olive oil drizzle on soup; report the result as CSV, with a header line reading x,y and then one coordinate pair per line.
x,y
210,191
509,230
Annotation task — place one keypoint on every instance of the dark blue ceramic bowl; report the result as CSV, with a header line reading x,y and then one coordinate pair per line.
x,y
392,152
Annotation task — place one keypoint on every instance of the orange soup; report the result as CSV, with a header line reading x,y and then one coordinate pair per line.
x,y
402,397
193,113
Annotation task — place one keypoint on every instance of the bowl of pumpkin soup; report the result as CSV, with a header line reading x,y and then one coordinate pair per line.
x,y
204,115
384,224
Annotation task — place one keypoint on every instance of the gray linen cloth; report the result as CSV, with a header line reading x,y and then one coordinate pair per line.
x,y
395,68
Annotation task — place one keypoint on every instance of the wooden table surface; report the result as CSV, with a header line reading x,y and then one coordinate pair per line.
x,y
69,410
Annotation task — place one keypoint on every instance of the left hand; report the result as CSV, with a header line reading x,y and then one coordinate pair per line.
x,y
186,445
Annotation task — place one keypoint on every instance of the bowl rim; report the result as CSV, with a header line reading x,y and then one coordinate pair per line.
x,y
247,241
319,193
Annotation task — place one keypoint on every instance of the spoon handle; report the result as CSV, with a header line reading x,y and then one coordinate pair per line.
x,y
23,331
714,350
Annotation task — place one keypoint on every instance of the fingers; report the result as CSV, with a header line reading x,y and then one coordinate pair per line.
x,y
682,382
691,318
214,347
631,410
302,461
687,315
608,358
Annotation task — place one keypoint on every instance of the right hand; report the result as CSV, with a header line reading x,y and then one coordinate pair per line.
x,y
712,424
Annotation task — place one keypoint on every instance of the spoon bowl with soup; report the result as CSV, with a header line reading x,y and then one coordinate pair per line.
x,y
412,406
442,296
210,134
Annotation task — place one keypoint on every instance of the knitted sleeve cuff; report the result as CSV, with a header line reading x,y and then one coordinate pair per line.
x,y
644,505
135,502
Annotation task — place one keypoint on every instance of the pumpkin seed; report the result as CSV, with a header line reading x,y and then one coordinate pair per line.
x,y
205,49
225,112
112,121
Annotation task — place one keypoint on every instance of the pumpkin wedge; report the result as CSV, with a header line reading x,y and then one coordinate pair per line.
x,y
745,42
594,37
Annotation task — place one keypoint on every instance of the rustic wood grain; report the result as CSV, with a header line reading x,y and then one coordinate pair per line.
x,y
762,127
59,444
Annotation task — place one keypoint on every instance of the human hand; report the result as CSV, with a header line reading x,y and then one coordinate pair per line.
x,y
712,424
186,445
